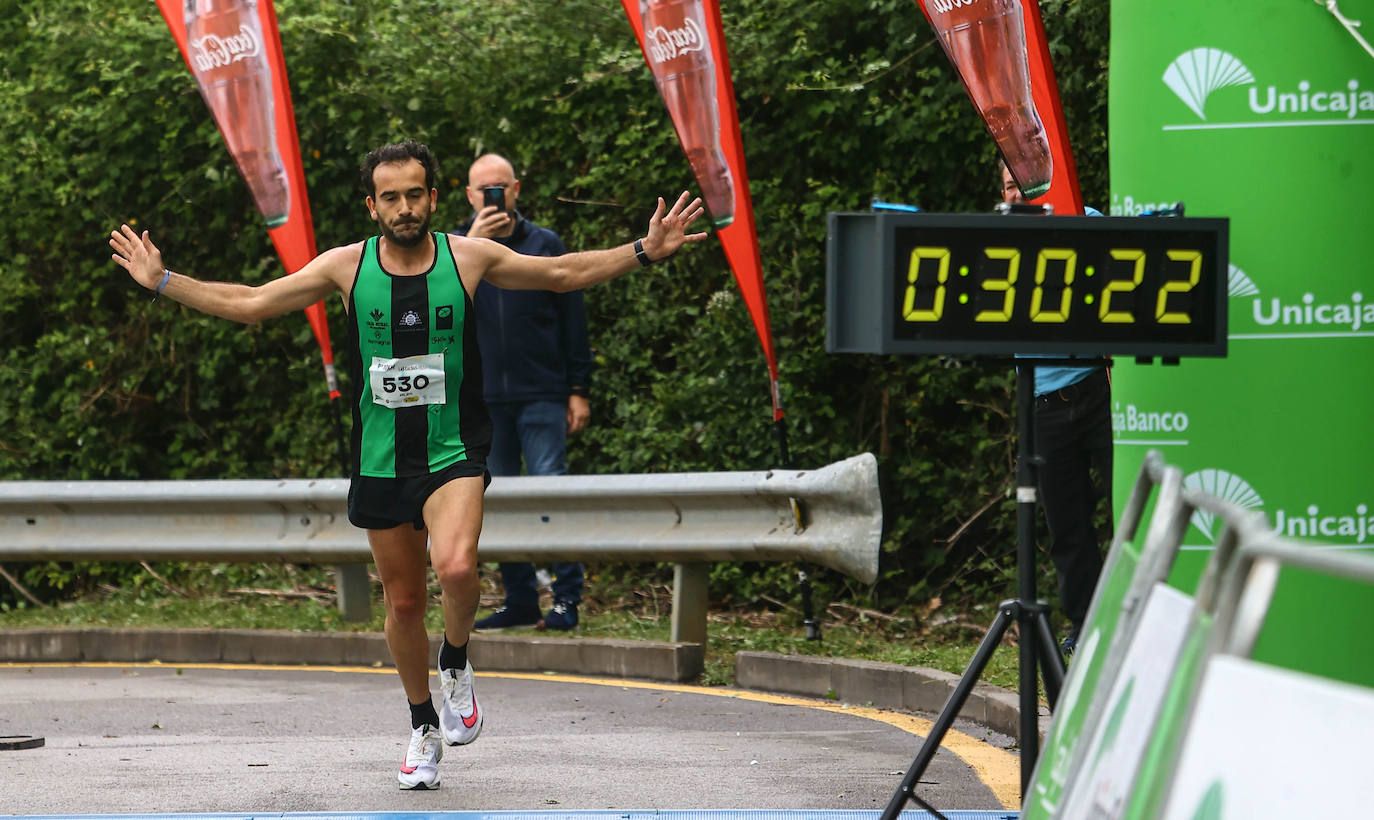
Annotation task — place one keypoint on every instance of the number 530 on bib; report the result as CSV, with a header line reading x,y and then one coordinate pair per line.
x,y
407,382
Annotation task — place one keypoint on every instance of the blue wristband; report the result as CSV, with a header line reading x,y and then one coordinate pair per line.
x,y
166,276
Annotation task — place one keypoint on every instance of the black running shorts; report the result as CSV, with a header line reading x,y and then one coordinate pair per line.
x,y
384,503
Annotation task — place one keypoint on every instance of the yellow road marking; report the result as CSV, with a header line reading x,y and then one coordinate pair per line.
x,y
999,770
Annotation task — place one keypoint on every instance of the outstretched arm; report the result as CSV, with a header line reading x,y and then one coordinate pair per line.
x,y
574,271
242,303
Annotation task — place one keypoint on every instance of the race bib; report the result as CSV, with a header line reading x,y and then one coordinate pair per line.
x,y
407,382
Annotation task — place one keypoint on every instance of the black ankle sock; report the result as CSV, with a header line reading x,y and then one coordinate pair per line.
x,y
422,713
453,657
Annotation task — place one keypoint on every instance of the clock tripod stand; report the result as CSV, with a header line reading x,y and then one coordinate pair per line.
x,y
1039,656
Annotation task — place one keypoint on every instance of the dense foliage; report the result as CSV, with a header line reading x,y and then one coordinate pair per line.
x,y
840,102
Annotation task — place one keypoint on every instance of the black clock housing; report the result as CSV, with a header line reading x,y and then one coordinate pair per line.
x,y
989,284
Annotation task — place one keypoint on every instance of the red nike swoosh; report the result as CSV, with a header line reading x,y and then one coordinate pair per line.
x,y
472,721
408,769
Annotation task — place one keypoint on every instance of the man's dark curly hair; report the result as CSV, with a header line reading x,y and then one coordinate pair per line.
x,y
397,152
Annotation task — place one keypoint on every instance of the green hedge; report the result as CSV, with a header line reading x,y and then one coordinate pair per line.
x,y
840,101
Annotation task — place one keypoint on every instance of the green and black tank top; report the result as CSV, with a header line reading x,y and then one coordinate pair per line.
x,y
417,370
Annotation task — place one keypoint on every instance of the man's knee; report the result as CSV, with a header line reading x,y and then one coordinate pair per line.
x,y
457,568
405,605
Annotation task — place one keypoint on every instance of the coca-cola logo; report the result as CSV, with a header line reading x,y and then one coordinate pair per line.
x,y
946,6
213,51
665,44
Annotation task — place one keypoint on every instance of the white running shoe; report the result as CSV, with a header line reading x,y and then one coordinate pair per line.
x,y
420,769
459,716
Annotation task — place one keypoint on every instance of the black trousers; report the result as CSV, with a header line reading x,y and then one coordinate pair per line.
x,y
1073,436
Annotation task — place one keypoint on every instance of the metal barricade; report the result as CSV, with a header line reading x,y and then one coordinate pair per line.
x,y
831,516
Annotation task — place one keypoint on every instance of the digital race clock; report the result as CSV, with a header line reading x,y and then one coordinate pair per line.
x,y
920,283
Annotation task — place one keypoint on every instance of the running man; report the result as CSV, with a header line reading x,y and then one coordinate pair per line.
x,y
421,432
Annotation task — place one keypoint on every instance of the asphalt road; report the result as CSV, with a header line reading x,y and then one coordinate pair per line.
x,y
129,738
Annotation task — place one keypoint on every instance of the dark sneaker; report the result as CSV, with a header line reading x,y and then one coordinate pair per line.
x,y
1070,643
562,617
507,617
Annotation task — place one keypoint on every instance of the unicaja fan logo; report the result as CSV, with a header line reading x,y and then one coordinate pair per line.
x,y
1195,74
1238,283
1226,486
1305,317
1357,527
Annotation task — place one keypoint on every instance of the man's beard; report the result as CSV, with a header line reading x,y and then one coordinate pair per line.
x,y
406,241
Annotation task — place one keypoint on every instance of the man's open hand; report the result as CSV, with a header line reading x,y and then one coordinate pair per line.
x,y
668,231
137,255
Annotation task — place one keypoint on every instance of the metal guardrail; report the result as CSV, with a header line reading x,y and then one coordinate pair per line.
x,y
831,516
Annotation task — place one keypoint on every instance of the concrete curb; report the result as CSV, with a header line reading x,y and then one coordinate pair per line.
x,y
649,660
884,685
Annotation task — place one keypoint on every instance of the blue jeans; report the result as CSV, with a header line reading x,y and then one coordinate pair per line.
x,y
538,430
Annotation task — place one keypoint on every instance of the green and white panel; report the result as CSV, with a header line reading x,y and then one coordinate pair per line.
x,y
1261,111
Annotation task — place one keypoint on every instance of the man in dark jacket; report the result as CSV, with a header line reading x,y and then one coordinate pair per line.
x,y
1073,439
536,363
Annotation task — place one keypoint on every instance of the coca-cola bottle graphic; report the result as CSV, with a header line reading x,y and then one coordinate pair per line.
x,y
684,70
224,41
986,41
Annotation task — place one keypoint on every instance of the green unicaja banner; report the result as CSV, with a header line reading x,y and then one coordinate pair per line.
x,y
1261,111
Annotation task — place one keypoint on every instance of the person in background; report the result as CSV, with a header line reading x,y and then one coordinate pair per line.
x,y
1073,438
536,365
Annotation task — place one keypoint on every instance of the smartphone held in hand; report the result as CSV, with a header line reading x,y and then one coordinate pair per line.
x,y
494,195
